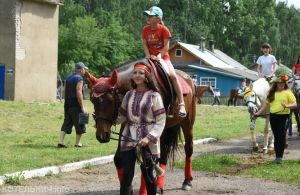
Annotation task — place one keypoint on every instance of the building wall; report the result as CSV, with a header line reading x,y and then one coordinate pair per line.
x,y
185,58
31,40
36,58
7,45
223,82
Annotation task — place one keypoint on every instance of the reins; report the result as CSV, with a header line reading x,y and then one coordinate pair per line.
x,y
255,102
123,136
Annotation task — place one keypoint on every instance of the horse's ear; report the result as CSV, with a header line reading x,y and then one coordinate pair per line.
x,y
91,78
114,78
251,86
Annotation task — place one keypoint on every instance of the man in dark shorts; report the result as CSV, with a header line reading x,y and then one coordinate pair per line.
x,y
73,106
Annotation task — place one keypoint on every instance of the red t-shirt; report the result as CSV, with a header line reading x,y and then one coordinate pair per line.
x,y
155,39
297,69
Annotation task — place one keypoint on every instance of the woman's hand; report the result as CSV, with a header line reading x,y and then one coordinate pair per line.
x,y
144,142
256,114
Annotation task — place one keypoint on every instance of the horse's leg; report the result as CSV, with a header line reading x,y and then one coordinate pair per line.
x,y
252,133
266,136
229,101
188,148
117,158
296,113
234,101
117,162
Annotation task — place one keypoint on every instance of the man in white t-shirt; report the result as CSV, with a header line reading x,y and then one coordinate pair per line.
x,y
266,64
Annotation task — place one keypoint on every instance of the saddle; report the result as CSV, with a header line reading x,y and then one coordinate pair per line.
x,y
164,82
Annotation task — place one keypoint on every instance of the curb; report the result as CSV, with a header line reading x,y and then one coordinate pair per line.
x,y
76,165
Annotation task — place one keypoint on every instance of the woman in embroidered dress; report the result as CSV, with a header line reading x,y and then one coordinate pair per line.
x,y
143,110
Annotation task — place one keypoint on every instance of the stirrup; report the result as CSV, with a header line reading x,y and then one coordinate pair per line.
x,y
182,111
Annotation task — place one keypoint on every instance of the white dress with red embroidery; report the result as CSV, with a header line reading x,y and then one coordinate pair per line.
x,y
145,116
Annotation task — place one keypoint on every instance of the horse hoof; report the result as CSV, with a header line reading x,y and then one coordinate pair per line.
x,y
265,151
187,185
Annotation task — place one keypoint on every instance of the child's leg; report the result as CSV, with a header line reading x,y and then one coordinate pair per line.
x,y
174,80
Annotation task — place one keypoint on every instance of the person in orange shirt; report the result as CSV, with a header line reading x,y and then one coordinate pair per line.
x,y
156,40
296,67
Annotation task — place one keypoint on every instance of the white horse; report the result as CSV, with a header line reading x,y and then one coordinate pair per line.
x,y
255,96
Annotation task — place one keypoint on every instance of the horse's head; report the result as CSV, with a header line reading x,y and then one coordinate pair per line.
x,y
251,100
106,101
211,90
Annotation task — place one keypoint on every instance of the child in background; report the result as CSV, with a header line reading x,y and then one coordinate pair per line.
x,y
296,67
280,100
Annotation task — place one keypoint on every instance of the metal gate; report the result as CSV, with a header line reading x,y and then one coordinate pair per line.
x,y
2,80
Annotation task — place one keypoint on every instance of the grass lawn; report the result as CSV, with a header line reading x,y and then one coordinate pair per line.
x,y
288,172
30,133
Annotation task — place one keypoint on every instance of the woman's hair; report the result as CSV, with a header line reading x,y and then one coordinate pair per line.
x,y
148,80
271,95
161,22
267,45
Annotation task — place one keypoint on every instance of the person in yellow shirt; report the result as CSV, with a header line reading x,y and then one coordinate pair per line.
x,y
280,101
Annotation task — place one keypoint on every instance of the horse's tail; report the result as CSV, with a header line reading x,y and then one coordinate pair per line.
x,y
169,144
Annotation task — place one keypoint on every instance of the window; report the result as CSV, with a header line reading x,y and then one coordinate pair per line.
x,y
208,81
178,52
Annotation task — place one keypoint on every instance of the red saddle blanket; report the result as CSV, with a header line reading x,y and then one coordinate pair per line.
x,y
185,88
182,83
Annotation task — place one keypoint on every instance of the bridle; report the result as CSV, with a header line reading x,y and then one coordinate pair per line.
x,y
250,101
117,103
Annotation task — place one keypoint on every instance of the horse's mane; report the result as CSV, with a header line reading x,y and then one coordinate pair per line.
x,y
261,87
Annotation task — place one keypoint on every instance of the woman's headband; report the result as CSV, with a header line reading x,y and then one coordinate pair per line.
x,y
143,66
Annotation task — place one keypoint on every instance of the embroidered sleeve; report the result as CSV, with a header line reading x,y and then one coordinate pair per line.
x,y
160,118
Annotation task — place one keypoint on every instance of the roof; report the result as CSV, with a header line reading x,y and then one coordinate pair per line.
x,y
205,55
219,59
215,70
54,2
228,59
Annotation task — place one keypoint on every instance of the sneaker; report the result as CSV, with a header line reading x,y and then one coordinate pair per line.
x,y
278,160
182,111
61,145
78,145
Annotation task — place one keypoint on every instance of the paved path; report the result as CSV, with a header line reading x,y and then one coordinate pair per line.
x,y
102,179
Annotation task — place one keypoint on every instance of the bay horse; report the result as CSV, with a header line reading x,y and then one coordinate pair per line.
x,y
255,96
201,89
234,97
107,95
